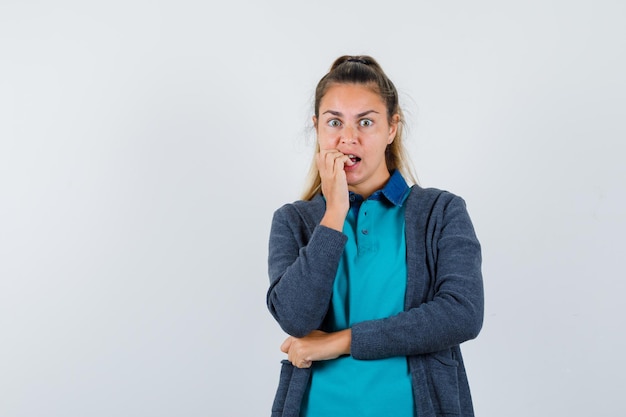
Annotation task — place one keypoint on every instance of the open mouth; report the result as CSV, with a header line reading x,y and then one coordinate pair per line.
x,y
354,158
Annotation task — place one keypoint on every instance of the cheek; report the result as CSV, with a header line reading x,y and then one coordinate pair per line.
x,y
325,139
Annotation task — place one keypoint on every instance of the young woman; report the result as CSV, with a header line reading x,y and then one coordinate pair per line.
x,y
376,282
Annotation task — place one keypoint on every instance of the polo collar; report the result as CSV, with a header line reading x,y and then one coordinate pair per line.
x,y
395,191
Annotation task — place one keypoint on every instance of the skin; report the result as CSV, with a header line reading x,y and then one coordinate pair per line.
x,y
353,121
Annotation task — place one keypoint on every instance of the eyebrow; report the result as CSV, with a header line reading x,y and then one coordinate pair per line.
x,y
339,114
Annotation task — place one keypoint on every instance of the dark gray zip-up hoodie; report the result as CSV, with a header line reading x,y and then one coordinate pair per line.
x,y
443,307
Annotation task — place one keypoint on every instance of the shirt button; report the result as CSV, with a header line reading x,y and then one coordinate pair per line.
x,y
364,231
352,197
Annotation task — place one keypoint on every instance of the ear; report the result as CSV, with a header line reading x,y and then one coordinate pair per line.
x,y
314,122
393,128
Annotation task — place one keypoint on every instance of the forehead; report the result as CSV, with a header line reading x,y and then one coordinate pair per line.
x,y
357,97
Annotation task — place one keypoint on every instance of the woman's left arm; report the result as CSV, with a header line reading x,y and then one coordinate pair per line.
x,y
454,312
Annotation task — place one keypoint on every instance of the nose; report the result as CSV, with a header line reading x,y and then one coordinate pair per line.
x,y
347,135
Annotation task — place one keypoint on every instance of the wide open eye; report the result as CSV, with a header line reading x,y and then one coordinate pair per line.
x,y
334,123
365,122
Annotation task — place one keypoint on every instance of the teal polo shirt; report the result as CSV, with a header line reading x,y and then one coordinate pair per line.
x,y
370,284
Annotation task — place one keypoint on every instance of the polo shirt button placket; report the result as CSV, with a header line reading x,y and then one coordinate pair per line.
x,y
364,211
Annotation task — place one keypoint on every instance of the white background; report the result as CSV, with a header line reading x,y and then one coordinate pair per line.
x,y
145,144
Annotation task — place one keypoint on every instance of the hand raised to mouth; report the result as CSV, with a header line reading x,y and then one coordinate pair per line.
x,y
332,165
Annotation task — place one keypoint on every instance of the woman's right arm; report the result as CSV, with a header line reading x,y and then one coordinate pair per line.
x,y
301,272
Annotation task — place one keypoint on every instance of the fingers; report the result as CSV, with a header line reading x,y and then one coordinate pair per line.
x,y
305,364
301,352
330,164
298,359
331,161
296,353
286,345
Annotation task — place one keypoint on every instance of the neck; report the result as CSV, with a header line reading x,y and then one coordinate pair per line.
x,y
365,190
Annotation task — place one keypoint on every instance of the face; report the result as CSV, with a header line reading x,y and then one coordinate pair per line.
x,y
353,120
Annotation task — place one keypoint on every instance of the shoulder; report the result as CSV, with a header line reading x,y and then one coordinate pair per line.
x,y
421,198
435,208
308,212
302,206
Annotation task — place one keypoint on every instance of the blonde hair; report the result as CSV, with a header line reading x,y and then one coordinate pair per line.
x,y
363,69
